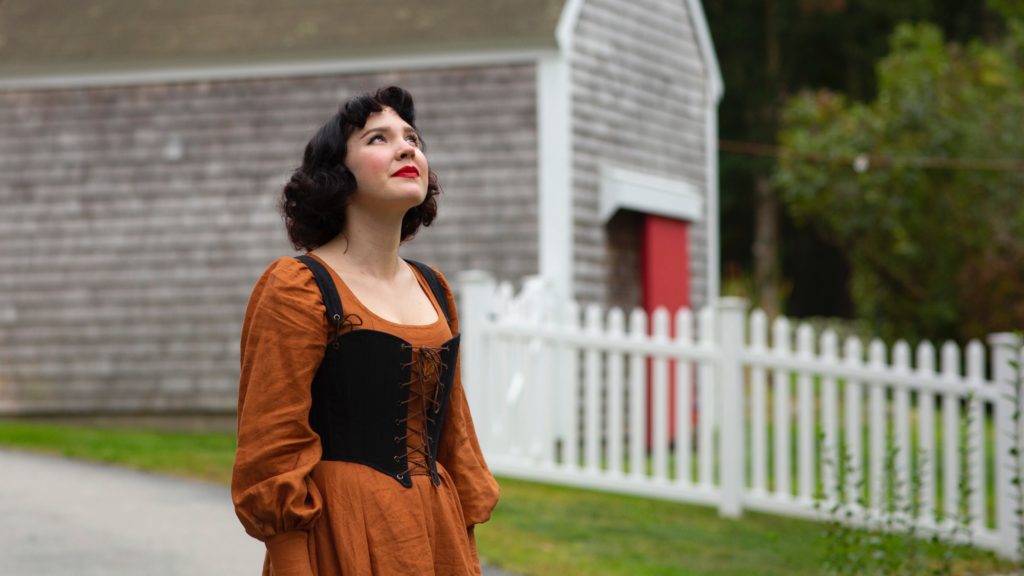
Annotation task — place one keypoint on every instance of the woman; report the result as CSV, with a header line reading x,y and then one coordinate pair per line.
x,y
356,450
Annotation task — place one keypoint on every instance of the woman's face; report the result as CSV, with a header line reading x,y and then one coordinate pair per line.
x,y
387,162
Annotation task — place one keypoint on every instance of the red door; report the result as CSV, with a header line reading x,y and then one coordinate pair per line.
x,y
665,273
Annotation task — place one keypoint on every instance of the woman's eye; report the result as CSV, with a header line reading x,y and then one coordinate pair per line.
x,y
375,138
413,139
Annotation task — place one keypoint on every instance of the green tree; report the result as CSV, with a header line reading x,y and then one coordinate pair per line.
x,y
934,232
768,51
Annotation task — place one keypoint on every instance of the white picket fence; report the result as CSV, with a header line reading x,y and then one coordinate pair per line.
x,y
755,422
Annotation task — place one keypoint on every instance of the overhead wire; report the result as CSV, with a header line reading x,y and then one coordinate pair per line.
x,y
865,161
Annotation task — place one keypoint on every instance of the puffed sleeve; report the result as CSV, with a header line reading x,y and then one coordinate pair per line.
x,y
459,451
284,334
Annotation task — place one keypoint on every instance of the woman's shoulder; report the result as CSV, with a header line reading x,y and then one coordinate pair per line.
x,y
286,300
440,276
287,268
284,280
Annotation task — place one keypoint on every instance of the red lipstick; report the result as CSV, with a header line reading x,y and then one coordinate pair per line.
x,y
407,172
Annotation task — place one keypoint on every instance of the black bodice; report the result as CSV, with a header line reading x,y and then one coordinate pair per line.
x,y
374,390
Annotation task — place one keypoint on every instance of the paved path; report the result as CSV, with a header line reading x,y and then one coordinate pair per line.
x,y
61,517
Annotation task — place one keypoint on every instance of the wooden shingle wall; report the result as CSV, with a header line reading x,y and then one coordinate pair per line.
x,y
134,221
639,102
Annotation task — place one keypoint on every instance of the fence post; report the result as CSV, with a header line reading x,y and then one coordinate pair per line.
x,y
732,425
1005,349
535,426
476,303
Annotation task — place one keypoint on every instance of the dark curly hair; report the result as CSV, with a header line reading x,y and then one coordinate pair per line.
x,y
314,199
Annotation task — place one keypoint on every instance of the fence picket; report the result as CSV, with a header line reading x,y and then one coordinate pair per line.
x,y
592,392
853,455
570,396
502,361
758,407
637,397
616,435
876,449
517,398
901,425
950,433
805,414
547,363
684,400
502,354
659,403
534,403
976,456
830,415
706,404
780,385
925,468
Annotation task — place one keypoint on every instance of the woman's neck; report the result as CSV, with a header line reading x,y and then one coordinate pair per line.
x,y
368,247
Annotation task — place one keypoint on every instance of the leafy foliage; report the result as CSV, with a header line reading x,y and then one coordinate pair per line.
x,y
769,50
936,247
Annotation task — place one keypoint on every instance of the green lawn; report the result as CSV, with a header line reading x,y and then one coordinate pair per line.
x,y
542,529
537,529
192,455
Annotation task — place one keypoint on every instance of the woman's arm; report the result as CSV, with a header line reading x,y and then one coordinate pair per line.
x,y
283,339
459,450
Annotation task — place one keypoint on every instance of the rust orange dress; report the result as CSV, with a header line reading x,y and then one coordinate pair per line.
x,y
329,518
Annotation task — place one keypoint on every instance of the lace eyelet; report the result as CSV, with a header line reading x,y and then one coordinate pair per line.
x,y
401,476
397,439
396,458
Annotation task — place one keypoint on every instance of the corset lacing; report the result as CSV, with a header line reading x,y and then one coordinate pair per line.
x,y
425,393
350,321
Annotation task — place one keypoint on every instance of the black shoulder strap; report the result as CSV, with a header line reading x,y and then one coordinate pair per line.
x,y
327,288
435,286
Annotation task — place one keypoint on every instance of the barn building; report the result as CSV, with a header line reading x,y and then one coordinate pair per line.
x,y
144,145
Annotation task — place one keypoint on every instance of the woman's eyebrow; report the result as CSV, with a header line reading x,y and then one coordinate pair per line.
x,y
406,130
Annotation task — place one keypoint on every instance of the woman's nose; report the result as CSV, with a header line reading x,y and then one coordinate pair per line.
x,y
406,150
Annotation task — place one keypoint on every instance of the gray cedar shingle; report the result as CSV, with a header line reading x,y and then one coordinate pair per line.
x,y
638,102
128,272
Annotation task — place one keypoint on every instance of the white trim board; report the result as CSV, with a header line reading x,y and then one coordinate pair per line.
x,y
566,30
713,224
621,188
275,69
707,48
554,174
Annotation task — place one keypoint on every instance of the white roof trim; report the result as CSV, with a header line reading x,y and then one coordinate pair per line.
x,y
621,188
566,30
276,69
707,48
712,226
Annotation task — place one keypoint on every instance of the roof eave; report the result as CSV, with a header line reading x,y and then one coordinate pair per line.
x,y
25,77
